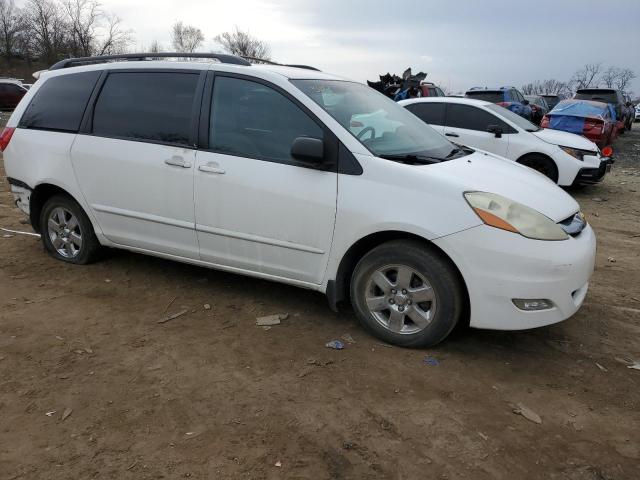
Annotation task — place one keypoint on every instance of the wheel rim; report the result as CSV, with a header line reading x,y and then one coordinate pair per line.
x,y
400,299
64,232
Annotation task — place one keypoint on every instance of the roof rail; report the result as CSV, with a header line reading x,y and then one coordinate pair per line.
x,y
269,62
74,62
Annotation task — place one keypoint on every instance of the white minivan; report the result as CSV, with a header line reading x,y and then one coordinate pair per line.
x,y
270,171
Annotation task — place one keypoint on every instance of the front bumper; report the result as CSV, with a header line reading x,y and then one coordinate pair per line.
x,y
590,176
500,266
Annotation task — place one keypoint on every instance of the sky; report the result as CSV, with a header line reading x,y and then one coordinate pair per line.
x,y
459,43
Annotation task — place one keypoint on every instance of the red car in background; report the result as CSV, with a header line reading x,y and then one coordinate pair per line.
x,y
594,120
11,92
430,89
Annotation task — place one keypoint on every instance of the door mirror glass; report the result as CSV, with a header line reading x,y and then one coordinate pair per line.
x,y
308,149
495,129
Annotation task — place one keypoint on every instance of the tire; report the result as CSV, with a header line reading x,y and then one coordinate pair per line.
x,y
70,238
541,164
434,294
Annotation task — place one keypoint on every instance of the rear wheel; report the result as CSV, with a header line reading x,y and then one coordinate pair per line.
x,y
407,294
541,164
67,233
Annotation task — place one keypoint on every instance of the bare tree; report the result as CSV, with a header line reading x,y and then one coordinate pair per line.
x,y
115,39
186,38
155,47
609,76
625,75
46,25
10,27
83,17
244,44
586,77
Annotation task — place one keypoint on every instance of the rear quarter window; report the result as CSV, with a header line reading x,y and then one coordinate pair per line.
x,y
60,103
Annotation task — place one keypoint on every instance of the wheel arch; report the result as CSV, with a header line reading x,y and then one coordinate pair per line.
x,y
338,288
39,196
540,154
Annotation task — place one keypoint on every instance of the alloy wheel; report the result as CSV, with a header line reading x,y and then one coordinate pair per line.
x,y
400,299
64,232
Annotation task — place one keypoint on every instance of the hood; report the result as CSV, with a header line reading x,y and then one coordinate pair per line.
x,y
566,139
484,172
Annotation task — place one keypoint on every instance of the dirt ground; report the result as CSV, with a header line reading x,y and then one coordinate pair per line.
x,y
92,386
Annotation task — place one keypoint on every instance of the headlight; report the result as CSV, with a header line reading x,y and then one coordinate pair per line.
x,y
577,153
505,214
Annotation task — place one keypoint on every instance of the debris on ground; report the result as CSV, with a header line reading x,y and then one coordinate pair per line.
x,y
347,445
8,235
635,366
348,338
51,413
432,361
18,232
483,436
173,316
527,413
278,464
271,320
206,306
611,260
335,344
601,367
65,414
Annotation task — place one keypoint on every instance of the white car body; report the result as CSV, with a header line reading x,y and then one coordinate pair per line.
x,y
296,225
521,143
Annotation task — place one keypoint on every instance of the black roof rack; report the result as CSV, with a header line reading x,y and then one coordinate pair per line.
x,y
131,57
269,62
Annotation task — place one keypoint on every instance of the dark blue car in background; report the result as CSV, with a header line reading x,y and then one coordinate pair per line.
x,y
507,97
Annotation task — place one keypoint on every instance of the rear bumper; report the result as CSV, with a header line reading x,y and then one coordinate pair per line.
x,y
21,194
591,176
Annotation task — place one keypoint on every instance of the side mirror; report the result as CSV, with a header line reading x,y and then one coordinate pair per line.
x,y
495,129
629,104
525,102
308,149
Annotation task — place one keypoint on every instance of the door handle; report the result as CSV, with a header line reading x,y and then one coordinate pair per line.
x,y
211,167
177,161
451,134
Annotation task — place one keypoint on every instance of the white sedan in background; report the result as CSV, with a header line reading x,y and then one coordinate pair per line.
x,y
566,158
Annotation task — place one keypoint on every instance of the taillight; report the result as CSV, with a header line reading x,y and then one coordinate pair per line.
x,y
545,122
593,125
504,104
5,137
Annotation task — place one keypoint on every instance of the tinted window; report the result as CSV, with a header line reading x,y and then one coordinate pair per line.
x,y
60,103
431,113
493,97
149,106
249,119
440,92
471,118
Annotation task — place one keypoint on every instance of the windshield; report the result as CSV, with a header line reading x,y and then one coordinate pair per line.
x,y
380,124
522,123
606,96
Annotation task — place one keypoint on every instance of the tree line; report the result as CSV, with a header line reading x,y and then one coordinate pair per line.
x,y
48,30
591,75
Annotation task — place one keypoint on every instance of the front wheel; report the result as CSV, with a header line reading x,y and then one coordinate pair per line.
x,y
541,164
407,294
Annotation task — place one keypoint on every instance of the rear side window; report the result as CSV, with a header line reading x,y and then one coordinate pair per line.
x,y
430,113
493,97
472,118
60,103
606,96
147,106
249,119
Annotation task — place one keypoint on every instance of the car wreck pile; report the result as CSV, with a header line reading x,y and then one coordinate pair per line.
x,y
399,88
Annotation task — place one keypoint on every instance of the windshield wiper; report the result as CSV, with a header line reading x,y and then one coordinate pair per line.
x,y
412,158
457,151
532,130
